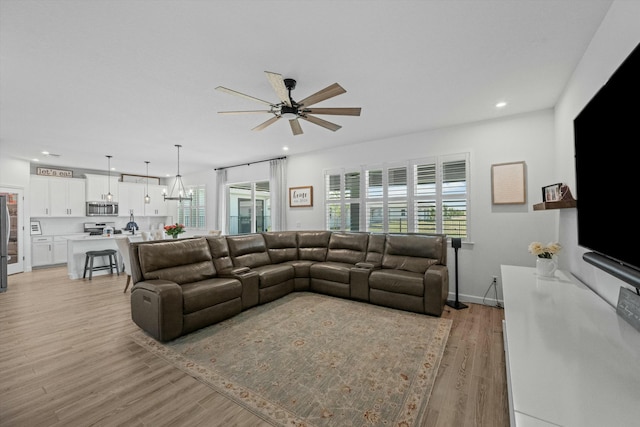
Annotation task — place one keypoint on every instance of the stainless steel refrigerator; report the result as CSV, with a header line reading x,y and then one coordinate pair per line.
x,y
5,228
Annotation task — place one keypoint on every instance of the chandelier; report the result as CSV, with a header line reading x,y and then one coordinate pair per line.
x,y
181,192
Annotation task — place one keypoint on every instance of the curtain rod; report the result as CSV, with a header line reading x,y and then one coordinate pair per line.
x,y
250,163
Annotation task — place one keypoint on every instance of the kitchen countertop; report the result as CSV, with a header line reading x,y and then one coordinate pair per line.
x,y
102,237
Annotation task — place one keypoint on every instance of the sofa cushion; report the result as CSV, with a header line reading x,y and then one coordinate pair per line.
x,y
274,274
333,271
411,252
397,281
248,250
281,246
182,261
207,293
349,248
312,245
375,249
220,253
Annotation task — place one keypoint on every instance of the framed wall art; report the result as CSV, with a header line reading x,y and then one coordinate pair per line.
x,y
552,193
301,197
508,183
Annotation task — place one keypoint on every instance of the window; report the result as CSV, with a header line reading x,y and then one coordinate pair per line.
x,y
249,207
422,196
191,213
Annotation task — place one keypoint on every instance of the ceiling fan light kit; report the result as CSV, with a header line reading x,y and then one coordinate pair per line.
x,y
291,110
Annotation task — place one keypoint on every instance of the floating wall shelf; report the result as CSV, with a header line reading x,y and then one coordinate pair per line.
x,y
562,204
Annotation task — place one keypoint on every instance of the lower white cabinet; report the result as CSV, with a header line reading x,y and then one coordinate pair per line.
x,y
59,250
571,360
48,250
41,250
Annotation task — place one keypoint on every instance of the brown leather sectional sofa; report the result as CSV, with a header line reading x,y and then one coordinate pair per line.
x,y
186,284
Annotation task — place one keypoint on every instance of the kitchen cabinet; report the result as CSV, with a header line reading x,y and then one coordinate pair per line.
x,y
157,206
59,250
98,186
131,198
66,197
41,250
57,197
39,196
48,250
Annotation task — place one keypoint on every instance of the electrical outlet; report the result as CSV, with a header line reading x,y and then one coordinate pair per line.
x,y
495,279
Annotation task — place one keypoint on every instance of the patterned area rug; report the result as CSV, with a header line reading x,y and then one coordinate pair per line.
x,y
314,360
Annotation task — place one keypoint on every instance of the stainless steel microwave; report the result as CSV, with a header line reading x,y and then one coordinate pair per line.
x,y
102,208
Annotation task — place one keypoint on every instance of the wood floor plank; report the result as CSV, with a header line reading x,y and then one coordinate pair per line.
x,y
66,359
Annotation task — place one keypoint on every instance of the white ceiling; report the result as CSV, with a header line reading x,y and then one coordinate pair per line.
x,y
85,79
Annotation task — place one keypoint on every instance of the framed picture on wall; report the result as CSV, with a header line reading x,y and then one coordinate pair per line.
x,y
552,193
301,197
508,183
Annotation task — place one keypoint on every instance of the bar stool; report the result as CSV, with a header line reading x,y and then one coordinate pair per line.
x,y
89,257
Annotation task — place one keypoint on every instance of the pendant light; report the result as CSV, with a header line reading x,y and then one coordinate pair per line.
x,y
147,199
109,195
182,193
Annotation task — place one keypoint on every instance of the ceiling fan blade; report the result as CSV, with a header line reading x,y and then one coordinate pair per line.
x,y
245,112
267,123
334,111
233,92
295,127
318,121
326,93
277,82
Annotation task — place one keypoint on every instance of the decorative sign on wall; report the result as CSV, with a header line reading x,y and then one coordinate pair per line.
x,y
508,183
300,197
63,173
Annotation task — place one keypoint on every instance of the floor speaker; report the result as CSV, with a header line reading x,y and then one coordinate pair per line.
x,y
456,243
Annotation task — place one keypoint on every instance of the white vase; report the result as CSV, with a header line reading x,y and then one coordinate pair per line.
x,y
546,267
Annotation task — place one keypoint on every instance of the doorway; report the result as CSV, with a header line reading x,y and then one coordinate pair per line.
x,y
15,251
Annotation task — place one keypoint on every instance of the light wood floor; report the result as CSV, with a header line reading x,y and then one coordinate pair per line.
x,y
66,360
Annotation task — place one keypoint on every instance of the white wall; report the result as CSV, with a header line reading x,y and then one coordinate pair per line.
x,y
500,234
618,34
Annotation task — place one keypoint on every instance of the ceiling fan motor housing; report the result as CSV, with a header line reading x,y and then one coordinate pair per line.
x,y
290,84
287,111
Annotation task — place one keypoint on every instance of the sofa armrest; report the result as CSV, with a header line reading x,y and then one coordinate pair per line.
x,y
359,280
156,307
250,284
369,265
436,289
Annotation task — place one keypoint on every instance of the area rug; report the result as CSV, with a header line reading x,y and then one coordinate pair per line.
x,y
314,360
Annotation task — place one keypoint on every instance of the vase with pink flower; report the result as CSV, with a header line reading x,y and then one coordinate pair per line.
x,y
174,230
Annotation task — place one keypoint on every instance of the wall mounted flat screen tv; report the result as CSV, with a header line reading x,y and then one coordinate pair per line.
x,y
607,135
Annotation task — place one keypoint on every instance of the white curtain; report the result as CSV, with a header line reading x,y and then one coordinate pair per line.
x,y
221,184
278,190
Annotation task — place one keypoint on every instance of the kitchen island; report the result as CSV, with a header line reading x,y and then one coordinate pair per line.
x,y
77,246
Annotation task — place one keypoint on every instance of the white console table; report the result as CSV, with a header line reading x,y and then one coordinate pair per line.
x,y
571,360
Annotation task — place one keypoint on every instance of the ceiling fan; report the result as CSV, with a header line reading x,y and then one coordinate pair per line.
x,y
291,110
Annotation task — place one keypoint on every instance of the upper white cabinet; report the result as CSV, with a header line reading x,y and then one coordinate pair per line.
x,y
57,197
131,199
157,206
98,186
66,197
39,196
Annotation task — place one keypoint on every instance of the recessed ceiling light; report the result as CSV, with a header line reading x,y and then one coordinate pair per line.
x,y
285,148
46,153
501,104
35,160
